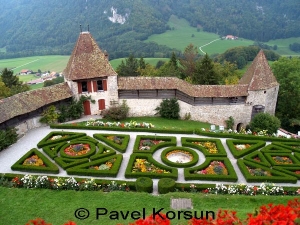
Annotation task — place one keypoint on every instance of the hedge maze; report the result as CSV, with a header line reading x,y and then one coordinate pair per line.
x,y
102,156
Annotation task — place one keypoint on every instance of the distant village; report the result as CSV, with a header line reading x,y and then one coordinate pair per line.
x,y
41,77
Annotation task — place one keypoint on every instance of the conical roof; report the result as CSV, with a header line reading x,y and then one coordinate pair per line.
x,y
259,75
87,60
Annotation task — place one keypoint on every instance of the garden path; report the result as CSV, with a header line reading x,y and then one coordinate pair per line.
x,y
10,155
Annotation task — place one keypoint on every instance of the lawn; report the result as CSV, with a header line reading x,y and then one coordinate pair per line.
x,y
18,206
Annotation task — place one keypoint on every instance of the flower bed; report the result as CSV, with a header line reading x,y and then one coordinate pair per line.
x,y
103,151
116,141
240,148
35,161
108,166
293,146
254,172
143,165
149,144
214,168
77,149
282,159
275,148
209,147
258,158
179,157
292,171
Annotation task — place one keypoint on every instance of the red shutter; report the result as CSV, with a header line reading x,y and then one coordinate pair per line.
x,y
104,83
89,84
79,87
101,104
95,86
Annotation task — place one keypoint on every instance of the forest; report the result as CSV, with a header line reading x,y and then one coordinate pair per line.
x,y
30,27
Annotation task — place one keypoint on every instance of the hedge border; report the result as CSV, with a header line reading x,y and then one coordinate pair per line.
x,y
264,161
168,141
273,163
45,141
121,148
255,145
82,170
66,163
49,166
288,170
129,174
274,149
122,129
190,175
166,185
277,177
288,145
187,142
53,153
144,184
90,153
297,155
100,154
193,162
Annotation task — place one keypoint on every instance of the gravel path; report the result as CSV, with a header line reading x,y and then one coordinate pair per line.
x,y
10,155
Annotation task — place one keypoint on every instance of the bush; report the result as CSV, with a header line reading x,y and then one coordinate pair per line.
x,y
118,112
168,108
265,121
229,123
50,115
144,184
8,137
166,185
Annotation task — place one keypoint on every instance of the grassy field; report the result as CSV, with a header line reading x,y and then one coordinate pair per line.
x,y
18,206
153,61
283,46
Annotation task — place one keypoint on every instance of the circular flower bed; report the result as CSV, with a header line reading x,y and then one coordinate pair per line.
x,y
179,157
34,160
77,150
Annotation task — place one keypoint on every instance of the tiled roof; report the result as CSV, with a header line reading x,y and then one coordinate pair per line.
x,y
148,83
30,101
259,75
87,60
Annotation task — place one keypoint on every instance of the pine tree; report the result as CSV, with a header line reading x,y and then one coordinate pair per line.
x,y
204,73
9,79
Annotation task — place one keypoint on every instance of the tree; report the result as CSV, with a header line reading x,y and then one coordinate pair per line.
x,y
4,91
142,63
188,61
169,108
170,68
265,121
286,71
129,68
9,79
205,73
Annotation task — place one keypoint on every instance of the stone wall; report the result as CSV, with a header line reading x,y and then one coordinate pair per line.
x,y
29,124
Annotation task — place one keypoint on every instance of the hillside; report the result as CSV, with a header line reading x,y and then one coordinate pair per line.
x,y
30,27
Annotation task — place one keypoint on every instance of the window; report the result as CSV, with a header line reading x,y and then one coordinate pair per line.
x,y
84,86
99,85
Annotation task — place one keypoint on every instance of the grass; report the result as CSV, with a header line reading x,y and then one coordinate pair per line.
x,y
162,123
18,206
153,61
283,46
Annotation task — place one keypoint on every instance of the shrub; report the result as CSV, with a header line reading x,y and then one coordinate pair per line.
x,y
166,185
50,115
144,184
116,112
229,123
168,108
265,121
8,137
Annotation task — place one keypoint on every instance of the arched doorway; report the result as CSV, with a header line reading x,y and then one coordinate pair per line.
x,y
239,127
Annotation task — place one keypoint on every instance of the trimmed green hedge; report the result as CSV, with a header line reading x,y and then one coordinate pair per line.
x,y
274,148
48,168
289,170
90,153
168,141
144,184
277,176
166,185
243,136
87,138
129,174
280,154
84,169
121,148
66,163
297,155
263,161
103,151
70,135
151,130
187,142
255,145
52,150
189,173
178,164
289,145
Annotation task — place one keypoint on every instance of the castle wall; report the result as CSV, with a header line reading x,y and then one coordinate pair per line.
x,y
271,99
215,114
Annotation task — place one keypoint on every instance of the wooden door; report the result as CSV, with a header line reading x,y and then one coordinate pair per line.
x,y
87,107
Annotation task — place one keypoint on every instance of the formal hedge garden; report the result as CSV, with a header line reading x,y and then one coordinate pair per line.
x,y
200,158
